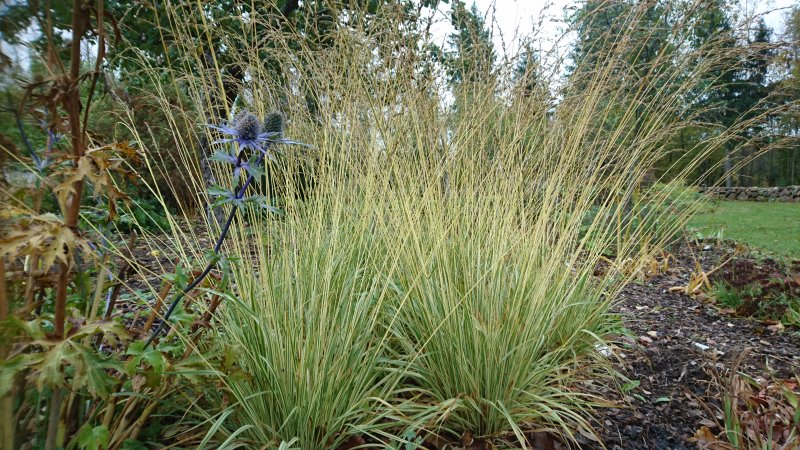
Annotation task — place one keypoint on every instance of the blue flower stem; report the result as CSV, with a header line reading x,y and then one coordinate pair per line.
x,y
25,140
210,266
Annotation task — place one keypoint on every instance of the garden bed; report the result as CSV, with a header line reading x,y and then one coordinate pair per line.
x,y
677,346
675,350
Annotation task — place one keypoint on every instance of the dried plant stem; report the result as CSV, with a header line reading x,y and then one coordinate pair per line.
x,y
50,442
124,420
7,430
4,307
6,403
72,104
203,321
108,414
30,286
157,307
98,288
137,426
61,299
212,308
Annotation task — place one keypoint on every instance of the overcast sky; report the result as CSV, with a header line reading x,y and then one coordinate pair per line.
x,y
521,17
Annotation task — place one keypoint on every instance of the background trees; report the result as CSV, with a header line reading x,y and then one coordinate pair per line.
x,y
764,73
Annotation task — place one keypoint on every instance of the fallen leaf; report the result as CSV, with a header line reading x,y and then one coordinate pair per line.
x,y
706,440
776,328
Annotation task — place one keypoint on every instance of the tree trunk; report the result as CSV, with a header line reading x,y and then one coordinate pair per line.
x,y
728,168
794,165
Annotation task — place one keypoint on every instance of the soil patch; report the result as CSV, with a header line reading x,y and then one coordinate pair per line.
x,y
677,342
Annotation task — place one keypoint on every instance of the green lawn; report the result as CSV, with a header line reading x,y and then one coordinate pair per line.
x,y
772,227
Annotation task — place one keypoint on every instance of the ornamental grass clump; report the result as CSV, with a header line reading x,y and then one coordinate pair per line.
x,y
307,326
497,332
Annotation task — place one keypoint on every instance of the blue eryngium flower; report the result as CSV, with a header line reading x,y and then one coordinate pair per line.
x,y
245,131
248,133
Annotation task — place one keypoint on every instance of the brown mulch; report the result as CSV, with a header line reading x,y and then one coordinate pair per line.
x,y
677,342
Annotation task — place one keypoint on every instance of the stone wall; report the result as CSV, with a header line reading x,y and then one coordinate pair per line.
x,y
756,194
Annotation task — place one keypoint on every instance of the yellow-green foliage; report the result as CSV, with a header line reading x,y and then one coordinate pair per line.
x,y
440,275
